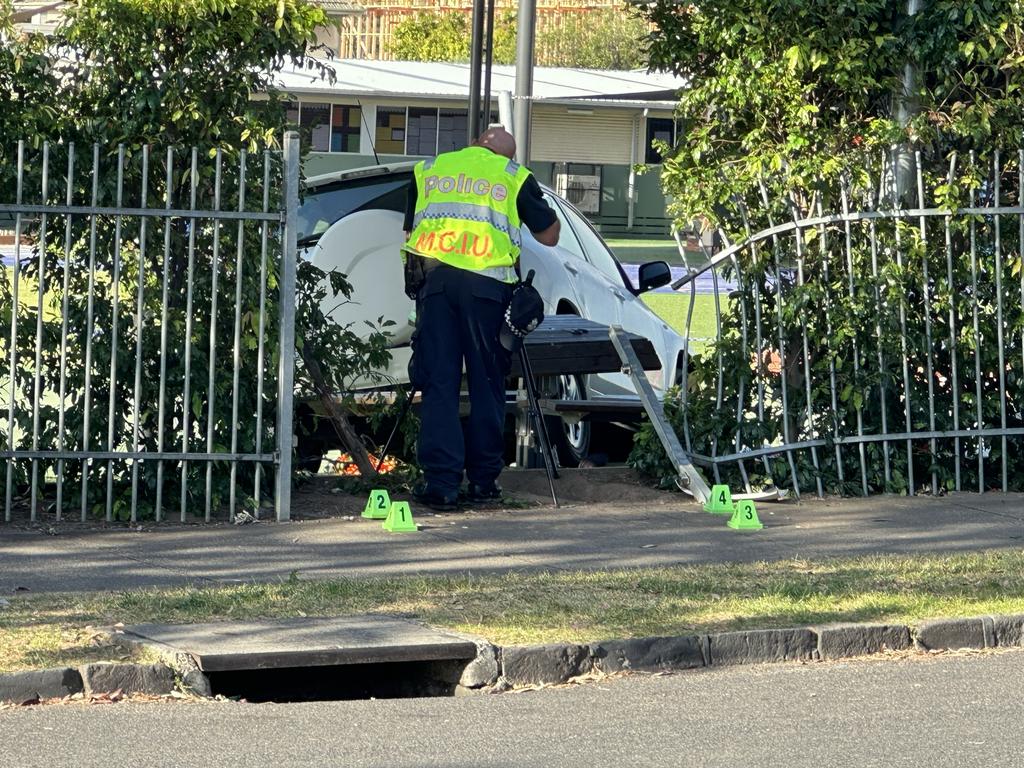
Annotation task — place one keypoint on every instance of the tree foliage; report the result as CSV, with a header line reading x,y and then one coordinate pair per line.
x,y
121,76
429,36
897,324
596,39
807,88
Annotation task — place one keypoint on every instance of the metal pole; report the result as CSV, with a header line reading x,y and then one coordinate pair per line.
x,y
475,61
524,77
286,300
485,106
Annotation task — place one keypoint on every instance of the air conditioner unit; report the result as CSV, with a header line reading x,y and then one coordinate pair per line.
x,y
583,191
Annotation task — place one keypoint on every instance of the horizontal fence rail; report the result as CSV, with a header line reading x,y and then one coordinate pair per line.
x,y
147,367
870,333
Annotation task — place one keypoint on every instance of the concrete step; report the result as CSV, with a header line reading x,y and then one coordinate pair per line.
x,y
303,642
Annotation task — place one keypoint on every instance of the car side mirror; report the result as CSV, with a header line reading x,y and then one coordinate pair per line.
x,y
654,274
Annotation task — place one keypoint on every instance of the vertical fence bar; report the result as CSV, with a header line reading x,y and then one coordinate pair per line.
x,y
189,280
741,389
720,381
261,332
211,379
14,331
162,396
952,326
91,295
827,309
782,343
997,245
925,286
758,329
238,333
798,234
879,304
861,449
140,291
61,406
1020,243
911,489
977,338
41,293
115,290
286,375
684,380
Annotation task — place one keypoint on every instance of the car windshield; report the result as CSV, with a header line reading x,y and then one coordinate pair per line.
x,y
328,203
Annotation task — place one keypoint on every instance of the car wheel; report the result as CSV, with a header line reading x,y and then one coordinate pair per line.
x,y
571,437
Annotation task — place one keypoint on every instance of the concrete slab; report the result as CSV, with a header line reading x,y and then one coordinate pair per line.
x,y
221,647
591,531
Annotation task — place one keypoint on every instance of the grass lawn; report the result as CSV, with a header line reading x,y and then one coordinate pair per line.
x,y
672,308
640,250
50,630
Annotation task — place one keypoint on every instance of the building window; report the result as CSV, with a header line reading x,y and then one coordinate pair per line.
x,y
658,129
421,138
345,122
315,123
390,134
451,130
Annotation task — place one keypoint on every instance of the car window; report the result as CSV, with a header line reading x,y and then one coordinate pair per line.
x,y
330,202
597,253
566,239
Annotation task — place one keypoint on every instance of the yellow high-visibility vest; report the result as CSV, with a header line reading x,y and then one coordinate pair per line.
x,y
466,213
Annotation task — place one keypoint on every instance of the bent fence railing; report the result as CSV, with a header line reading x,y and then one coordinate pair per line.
x,y
149,304
870,334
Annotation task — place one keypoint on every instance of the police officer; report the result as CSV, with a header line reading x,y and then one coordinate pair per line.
x,y
463,224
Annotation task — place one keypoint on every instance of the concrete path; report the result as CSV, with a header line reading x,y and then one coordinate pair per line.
x,y
654,530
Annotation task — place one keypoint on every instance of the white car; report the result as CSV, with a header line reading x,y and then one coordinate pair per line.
x,y
351,222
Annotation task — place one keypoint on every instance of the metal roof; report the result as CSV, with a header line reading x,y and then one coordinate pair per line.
x,y
339,7
446,81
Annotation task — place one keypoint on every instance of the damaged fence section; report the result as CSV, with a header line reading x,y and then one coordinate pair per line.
x,y
873,339
148,304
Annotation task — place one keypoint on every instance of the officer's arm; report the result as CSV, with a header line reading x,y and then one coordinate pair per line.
x,y
536,214
550,235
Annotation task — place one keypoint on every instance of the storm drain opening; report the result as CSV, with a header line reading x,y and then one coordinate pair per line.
x,y
390,680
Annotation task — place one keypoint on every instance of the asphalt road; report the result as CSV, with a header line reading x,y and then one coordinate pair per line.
x,y
959,710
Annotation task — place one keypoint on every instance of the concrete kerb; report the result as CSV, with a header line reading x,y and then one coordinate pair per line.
x,y
498,669
521,666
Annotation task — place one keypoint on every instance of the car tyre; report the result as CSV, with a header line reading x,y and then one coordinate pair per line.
x,y
570,437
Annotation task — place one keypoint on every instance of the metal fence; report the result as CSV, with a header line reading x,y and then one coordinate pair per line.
x,y
870,333
149,365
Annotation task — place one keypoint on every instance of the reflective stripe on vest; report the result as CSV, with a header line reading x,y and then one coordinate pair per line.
x,y
466,214
470,212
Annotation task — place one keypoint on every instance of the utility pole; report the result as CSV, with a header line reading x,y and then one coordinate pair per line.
x,y
476,46
524,77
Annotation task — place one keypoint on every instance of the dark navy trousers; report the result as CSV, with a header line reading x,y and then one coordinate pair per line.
x,y
458,319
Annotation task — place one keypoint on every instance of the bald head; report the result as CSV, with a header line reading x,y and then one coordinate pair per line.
x,y
499,141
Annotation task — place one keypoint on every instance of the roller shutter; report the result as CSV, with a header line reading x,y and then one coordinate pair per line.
x,y
603,138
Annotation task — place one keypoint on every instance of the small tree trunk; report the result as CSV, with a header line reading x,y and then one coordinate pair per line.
x,y
348,435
